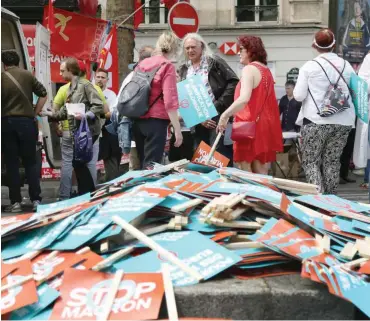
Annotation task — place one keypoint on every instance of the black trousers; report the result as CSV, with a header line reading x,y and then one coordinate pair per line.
x,y
185,151
18,138
345,158
150,138
85,181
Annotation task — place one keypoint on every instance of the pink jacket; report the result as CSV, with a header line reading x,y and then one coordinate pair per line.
x,y
164,81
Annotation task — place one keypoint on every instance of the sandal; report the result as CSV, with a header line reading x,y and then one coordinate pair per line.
x,y
364,185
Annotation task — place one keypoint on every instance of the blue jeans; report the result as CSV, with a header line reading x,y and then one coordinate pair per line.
x,y
367,172
67,168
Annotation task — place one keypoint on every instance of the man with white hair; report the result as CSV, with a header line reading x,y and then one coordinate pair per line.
x,y
220,81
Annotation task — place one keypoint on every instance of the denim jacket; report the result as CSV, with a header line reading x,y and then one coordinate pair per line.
x,y
122,128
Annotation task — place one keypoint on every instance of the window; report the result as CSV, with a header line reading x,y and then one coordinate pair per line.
x,y
155,12
256,10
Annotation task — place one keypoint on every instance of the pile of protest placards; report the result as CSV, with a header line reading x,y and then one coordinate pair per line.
x,y
115,254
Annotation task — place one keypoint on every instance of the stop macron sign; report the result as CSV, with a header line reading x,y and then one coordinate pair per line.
x,y
183,19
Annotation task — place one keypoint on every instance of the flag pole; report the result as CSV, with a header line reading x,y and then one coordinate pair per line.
x,y
132,14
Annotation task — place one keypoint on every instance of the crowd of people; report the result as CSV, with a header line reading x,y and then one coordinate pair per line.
x,y
249,115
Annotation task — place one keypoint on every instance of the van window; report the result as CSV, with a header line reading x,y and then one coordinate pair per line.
x,y
10,39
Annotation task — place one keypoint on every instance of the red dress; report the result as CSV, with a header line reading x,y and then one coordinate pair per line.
x,y
269,137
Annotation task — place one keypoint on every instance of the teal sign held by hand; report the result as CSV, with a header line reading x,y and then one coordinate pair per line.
x,y
196,105
360,97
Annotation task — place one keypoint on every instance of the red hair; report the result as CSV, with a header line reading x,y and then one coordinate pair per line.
x,y
324,40
255,48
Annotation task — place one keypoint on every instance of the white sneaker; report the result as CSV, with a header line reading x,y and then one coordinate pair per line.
x,y
13,208
35,204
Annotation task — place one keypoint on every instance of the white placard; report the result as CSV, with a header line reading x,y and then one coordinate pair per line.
x,y
74,109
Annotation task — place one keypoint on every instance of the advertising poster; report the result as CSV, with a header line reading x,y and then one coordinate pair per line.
x,y
353,25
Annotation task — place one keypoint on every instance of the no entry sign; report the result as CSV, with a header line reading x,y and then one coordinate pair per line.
x,y
183,19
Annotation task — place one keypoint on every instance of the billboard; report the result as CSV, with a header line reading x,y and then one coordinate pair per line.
x,y
352,29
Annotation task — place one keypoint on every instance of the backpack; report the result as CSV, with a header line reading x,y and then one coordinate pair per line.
x,y
83,144
133,101
335,101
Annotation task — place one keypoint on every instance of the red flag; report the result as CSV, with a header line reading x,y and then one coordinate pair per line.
x,y
88,7
139,15
76,35
51,24
108,59
169,3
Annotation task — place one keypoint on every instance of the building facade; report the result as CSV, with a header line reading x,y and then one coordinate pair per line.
x,y
285,26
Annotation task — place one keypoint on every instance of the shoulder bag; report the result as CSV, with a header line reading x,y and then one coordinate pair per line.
x,y
243,130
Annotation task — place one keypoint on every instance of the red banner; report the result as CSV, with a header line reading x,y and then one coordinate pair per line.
x,y
108,59
55,60
88,7
76,35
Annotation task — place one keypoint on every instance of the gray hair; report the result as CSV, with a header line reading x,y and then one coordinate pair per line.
x,y
207,51
145,52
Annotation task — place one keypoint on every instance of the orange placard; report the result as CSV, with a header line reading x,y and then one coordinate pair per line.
x,y
7,268
365,268
84,294
202,152
10,220
21,295
45,268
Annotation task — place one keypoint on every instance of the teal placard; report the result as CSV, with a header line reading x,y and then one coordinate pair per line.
x,y
196,106
360,97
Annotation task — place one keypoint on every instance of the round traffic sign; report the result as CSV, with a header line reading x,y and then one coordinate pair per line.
x,y
183,19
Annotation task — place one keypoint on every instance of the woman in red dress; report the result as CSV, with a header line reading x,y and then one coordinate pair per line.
x,y
255,101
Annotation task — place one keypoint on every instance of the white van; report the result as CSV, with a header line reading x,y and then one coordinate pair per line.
x,y
12,38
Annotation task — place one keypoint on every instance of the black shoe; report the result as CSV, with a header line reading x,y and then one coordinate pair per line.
x,y
342,181
348,180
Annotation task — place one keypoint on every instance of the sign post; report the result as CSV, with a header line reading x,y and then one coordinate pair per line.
x,y
183,19
292,74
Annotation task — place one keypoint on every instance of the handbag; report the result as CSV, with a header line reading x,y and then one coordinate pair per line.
x,y
243,130
83,143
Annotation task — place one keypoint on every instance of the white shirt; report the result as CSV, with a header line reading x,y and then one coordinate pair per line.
x,y
124,83
111,98
313,77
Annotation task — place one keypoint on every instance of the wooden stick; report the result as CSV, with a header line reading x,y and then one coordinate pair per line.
x,y
244,245
312,212
112,258
359,217
170,295
355,263
349,251
156,247
186,205
293,184
237,224
235,200
51,255
213,148
17,283
363,248
83,250
112,295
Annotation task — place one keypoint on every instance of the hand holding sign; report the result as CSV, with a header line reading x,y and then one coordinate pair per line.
x,y
196,105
